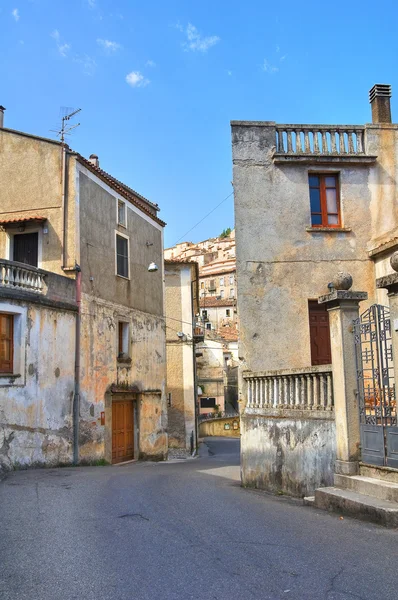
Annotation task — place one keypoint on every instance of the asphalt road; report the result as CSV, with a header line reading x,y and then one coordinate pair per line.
x,y
180,530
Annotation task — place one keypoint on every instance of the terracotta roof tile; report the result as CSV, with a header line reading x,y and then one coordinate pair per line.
x,y
10,220
213,301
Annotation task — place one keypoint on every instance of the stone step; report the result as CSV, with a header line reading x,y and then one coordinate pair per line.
x,y
384,490
384,473
357,505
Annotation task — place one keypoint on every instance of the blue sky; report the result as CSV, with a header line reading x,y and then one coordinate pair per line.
x,y
159,81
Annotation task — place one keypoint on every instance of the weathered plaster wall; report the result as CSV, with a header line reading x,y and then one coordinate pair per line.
x,y
36,413
210,370
30,185
216,427
289,455
144,375
180,358
280,265
98,226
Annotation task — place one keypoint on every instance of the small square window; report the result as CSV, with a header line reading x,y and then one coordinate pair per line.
x,y
121,213
231,293
123,340
221,293
208,325
221,281
227,312
324,200
6,343
231,279
122,256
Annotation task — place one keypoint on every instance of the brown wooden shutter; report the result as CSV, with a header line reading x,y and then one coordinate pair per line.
x,y
319,334
6,343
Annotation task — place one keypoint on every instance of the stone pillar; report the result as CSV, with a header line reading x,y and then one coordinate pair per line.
x,y
390,283
343,308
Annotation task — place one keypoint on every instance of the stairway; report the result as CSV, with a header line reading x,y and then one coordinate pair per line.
x,y
372,496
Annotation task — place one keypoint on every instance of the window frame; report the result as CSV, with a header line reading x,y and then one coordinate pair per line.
x,y
322,196
126,237
123,339
11,340
120,202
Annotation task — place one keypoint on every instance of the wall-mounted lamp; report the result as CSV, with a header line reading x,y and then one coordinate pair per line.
x,y
149,244
153,267
21,227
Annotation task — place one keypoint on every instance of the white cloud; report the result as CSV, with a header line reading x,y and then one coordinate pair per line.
x,y
15,14
229,73
268,68
108,46
137,79
195,41
150,63
62,48
278,49
87,62
282,58
92,3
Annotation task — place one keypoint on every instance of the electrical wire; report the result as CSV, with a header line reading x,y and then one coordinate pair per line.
x,y
205,217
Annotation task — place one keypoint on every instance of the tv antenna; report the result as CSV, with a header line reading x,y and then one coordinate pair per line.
x,y
65,127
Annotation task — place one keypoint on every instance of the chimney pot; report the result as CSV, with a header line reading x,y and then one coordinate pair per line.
x,y
379,98
2,109
93,158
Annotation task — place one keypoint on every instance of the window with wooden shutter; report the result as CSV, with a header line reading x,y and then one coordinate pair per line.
x,y
324,200
6,343
122,256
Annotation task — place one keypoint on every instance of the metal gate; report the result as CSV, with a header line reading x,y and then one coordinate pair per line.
x,y
376,387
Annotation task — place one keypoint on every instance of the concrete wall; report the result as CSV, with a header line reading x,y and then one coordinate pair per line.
x,y
180,355
216,427
36,407
31,185
292,454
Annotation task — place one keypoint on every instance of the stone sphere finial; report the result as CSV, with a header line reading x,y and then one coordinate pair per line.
x,y
342,281
394,261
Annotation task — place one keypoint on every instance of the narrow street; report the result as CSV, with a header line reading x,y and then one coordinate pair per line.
x,y
179,530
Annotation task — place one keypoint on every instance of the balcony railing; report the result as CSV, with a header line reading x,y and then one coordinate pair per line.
x,y
19,276
298,389
198,332
320,140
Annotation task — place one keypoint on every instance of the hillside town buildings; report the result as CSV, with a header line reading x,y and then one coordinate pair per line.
x,y
312,201
83,348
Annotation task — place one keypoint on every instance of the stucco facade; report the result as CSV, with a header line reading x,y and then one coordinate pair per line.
x,y
284,261
73,207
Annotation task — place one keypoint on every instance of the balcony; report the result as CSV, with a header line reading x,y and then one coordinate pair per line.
x,y
321,144
23,282
198,333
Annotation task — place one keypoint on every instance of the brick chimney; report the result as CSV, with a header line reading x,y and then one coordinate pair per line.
x,y
2,109
93,158
379,98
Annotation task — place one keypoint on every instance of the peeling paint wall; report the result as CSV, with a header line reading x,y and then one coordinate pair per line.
x,y
289,455
228,427
36,409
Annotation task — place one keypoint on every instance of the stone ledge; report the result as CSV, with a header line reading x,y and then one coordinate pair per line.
x,y
338,295
305,414
328,229
388,281
359,159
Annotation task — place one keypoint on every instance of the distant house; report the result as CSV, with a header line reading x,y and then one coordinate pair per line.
x,y
82,364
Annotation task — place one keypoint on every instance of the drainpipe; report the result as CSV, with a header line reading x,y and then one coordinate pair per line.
x,y
76,398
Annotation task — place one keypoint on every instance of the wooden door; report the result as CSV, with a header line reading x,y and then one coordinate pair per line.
x,y
26,248
122,430
319,334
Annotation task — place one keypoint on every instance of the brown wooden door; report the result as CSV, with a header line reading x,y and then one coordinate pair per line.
x,y
26,248
319,334
122,430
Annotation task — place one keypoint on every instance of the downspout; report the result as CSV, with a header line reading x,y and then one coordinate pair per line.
x,y
76,398
195,376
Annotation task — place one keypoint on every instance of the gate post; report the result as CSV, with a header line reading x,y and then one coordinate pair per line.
x,y
390,283
343,308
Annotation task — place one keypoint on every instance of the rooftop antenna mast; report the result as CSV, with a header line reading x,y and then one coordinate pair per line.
x,y
65,128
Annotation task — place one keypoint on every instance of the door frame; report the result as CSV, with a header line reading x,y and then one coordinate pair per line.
x,y
118,396
10,242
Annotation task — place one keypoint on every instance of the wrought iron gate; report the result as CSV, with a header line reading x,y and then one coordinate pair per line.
x,y
376,387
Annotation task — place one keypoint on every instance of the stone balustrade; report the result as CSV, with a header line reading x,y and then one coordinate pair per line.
x,y
330,140
20,276
297,389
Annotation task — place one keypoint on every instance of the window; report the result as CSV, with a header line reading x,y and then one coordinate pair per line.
x,y
212,285
207,403
202,285
122,256
228,312
231,279
26,248
121,213
231,293
319,334
123,340
324,200
204,314
6,343
208,325
221,281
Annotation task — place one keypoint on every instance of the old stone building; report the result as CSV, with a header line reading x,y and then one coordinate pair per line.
x,y
310,201
183,332
83,365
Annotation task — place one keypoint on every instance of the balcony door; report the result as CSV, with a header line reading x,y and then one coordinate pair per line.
x,y
319,334
25,248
